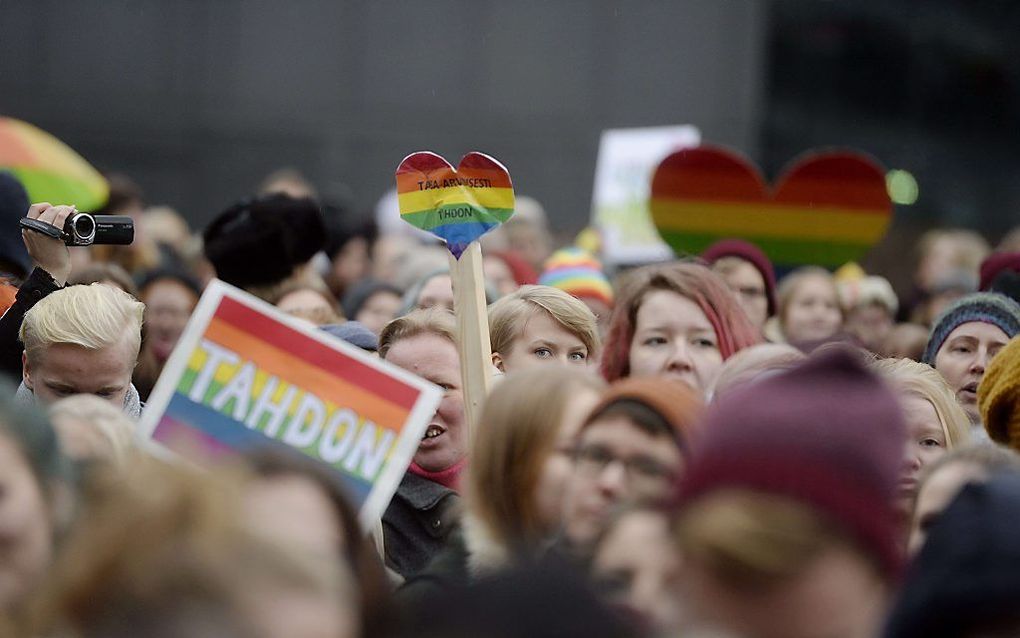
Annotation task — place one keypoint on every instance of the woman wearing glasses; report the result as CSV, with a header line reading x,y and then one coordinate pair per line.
x,y
632,447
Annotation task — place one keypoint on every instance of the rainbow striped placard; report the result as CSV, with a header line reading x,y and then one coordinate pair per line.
x,y
458,205
829,207
244,374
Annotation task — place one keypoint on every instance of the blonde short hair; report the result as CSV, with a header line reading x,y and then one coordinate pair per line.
x,y
906,375
508,316
93,317
435,321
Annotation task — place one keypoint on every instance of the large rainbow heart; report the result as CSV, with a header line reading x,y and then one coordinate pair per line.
x,y
458,205
828,208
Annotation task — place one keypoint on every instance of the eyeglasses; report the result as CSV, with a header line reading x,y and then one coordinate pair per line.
x,y
643,473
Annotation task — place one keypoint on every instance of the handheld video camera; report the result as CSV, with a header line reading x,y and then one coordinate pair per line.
x,y
86,229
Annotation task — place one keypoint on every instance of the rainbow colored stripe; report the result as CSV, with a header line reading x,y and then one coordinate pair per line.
x,y
829,208
577,272
457,205
297,365
47,168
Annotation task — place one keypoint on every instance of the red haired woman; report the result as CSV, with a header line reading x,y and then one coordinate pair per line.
x,y
678,320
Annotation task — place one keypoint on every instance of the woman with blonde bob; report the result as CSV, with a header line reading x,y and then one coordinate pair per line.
x,y
936,423
537,325
521,461
678,320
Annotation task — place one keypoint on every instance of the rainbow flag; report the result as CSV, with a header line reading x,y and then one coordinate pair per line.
x,y
47,168
244,375
827,209
458,205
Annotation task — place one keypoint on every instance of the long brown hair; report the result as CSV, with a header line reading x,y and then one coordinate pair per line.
x,y
517,432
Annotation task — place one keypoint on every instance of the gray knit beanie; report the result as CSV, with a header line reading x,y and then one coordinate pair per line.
x,y
986,307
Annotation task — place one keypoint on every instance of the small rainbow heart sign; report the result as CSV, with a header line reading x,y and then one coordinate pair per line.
x,y
828,208
458,205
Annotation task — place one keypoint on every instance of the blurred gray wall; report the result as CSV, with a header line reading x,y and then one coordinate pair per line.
x,y
199,100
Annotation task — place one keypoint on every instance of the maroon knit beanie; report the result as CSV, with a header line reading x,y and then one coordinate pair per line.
x,y
751,254
995,264
826,433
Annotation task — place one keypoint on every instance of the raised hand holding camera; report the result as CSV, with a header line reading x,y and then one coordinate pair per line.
x,y
47,249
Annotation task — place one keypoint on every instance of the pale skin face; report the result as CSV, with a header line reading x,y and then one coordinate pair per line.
x,y
937,492
437,291
871,324
378,310
813,312
926,442
963,357
638,568
26,531
837,595
559,465
62,369
168,306
749,287
435,359
673,337
543,341
499,276
616,461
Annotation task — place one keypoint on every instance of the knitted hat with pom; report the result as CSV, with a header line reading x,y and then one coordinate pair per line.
x,y
578,273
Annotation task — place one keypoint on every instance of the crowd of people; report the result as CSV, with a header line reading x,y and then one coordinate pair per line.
x,y
703,447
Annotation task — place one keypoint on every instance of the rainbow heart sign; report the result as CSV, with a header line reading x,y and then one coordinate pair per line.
x,y
827,209
458,205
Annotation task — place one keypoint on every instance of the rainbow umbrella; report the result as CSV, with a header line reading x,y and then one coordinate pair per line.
x,y
48,168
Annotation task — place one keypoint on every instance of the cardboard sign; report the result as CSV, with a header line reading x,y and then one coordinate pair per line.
x,y
244,374
623,171
458,205
827,209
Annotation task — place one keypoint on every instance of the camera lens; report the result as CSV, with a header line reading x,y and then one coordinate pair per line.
x,y
84,226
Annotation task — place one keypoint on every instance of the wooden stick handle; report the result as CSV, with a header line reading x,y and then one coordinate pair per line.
x,y
472,329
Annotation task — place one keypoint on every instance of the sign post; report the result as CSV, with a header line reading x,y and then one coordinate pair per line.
x,y
459,205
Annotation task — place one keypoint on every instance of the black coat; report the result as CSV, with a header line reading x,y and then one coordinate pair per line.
x,y
417,523
38,285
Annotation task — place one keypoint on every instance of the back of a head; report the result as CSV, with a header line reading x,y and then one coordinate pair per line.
x,y
826,434
164,545
758,361
999,396
93,317
92,429
965,579
259,242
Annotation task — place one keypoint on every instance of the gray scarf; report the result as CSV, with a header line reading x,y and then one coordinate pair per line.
x,y
132,402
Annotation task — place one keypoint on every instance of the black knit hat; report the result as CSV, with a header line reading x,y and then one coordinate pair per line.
x,y
13,206
967,576
258,242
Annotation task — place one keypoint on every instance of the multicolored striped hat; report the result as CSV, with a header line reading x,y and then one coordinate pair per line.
x,y
577,272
